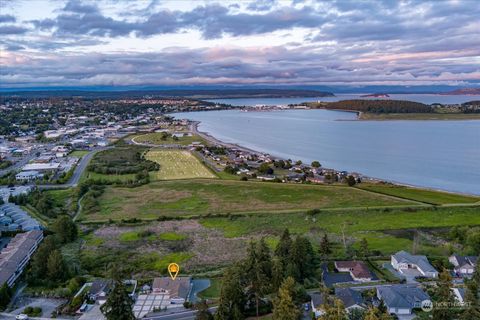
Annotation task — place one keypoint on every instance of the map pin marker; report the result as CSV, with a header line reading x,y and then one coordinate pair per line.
x,y
173,270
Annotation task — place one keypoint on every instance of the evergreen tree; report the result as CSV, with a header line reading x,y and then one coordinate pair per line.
x,y
472,298
56,267
284,307
444,294
5,296
258,269
119,304
302,257
40,258
232,296
283,248
325,246
202,311
65,229
277,274
364,251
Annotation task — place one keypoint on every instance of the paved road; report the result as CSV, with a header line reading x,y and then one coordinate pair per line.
x,y
77,174
185,315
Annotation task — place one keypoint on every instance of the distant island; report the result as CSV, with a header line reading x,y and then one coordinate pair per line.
x,y
375,95
402,109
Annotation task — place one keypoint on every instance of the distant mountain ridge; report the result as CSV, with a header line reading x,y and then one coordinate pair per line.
x,y
178,93
464,91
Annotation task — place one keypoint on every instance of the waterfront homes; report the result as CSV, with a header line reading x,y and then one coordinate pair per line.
x,y
402,299
358,270
15,256
463,265
407,263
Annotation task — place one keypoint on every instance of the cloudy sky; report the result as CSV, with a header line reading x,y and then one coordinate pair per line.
x,y
133,43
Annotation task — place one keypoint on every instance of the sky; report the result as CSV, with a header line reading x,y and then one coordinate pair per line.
x,y
187,43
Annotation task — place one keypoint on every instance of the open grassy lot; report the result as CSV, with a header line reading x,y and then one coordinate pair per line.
x,y
108,177
78,153
354,221
374,225
156,138
201,197
427,196
178,164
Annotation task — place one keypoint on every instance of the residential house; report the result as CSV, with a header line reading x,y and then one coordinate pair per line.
x,y
178,290
463,265
99,290
316,179
357,269
459,294
402,299
351,299
403,261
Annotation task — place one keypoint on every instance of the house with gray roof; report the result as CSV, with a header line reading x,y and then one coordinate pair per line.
x,y
352,299
463,265
403,262
402,299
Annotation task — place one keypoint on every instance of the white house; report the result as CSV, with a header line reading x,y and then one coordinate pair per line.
x,y
402,261
464,265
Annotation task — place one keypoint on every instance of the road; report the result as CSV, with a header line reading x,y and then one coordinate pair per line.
x,y
185,315
77,174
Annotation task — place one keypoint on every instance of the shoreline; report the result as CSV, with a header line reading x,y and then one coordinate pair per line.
x,y
208,137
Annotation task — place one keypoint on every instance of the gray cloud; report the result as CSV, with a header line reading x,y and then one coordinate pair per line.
x,y
7,18
11,29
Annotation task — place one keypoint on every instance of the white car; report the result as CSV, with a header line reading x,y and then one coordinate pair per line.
x,y
21,317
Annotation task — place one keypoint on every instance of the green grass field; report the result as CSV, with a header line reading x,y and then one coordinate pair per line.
x,y
369,224
156,138
177,164
78,153
108,177
422,195
200,197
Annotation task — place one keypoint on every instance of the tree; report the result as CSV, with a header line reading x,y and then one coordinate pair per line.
x,y
40,258
283,306
444,294
316,164
364,251
265,169
258,268
325,246
472,298
56,267
119,304
335,311
202,311
232,296
302,256
65,229
5,296
351,181
282,251
278,274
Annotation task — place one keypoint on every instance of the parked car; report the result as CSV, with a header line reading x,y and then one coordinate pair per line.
x,y
21,316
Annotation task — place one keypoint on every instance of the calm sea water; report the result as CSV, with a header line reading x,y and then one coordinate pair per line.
x,y
435,154
423,98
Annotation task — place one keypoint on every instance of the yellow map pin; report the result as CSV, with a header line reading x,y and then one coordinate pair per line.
x,y
173,269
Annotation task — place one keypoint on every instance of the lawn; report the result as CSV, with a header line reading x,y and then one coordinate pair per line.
x,y
177,164
156,138
422,195
201,197
108,177
78,153
213,291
